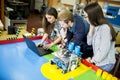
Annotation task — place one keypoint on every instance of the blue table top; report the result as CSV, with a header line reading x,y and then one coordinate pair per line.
x,y
18,62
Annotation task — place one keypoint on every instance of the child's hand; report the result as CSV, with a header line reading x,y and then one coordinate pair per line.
x,y
47,46
88,59
61,46
39,44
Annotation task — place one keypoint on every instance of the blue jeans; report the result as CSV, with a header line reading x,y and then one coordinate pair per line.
x,y
107,67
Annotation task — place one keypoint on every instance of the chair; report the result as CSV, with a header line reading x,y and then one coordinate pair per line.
x,y
117,45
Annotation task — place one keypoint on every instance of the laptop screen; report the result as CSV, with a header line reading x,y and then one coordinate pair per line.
x,y
39,50
31,45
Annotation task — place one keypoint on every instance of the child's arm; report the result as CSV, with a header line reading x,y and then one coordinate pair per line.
x,y
43,39
90,34
47,46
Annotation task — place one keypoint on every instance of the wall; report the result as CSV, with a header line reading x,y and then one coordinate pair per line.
x,y
112,3
57,3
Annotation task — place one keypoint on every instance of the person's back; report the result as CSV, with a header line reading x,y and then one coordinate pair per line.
x,y
77,28
78,32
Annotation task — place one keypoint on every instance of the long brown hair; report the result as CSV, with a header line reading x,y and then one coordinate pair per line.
x,y
96,17
45,24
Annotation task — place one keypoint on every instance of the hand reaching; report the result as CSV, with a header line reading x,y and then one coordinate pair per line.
x,y
61,46
39,44
47,46
88,59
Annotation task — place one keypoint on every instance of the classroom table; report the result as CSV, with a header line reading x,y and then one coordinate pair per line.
x,y
18,62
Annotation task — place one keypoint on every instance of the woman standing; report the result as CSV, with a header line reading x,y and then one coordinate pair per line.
x,y
51,28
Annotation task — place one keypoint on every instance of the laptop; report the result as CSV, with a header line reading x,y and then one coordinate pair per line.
x,y
39,50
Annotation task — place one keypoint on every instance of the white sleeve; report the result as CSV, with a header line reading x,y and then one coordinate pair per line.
x,y
63,33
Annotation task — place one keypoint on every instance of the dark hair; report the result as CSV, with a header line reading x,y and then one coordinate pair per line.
x,y
45,24
96,17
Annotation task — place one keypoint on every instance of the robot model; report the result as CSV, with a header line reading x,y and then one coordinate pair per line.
x,y
67,59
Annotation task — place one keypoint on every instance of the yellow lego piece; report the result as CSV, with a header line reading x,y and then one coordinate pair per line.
x,y
114,78
104,75
109,77
99,72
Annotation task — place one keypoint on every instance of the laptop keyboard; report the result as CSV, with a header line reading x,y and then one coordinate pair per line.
x,y
43,51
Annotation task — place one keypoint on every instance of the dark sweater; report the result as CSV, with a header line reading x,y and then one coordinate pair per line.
x,y
78,32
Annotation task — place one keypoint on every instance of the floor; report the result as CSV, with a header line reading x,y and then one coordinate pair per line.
x,y
34,21
4,34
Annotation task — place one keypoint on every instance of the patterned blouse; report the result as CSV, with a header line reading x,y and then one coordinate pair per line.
x,y
55,31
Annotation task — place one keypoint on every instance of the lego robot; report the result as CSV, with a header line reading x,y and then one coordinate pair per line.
x,y
66,60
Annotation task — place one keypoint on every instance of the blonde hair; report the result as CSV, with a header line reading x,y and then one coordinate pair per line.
x,y
65,15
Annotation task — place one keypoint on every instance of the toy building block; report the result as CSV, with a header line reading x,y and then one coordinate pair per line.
x,y
99,72
71,46
104,75
30,34
18,32
33,31
114,78
16,35
109,77
12,38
